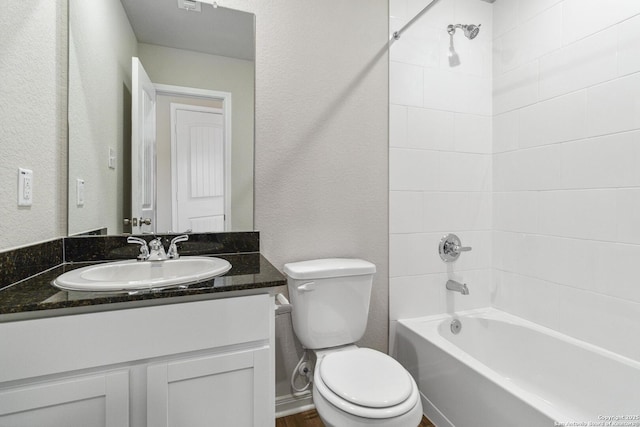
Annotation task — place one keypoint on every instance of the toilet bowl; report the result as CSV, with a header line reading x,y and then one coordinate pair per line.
x,y
363,387
352,386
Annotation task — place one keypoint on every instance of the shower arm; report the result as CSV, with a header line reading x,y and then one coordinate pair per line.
x,y
451,29
397,34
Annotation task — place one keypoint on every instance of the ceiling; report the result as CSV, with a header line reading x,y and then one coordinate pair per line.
x,y
216,31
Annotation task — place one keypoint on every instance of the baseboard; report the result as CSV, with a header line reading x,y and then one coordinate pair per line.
x,y
434,415
290,404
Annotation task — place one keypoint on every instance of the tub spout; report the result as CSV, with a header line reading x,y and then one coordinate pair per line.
x,y
452,285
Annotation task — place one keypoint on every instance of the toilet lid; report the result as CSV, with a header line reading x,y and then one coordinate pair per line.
x,y
366,377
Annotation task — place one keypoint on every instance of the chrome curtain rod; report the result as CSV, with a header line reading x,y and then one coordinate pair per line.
x,y
397,34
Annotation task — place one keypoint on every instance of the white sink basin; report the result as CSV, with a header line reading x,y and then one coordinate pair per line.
x,y
138,275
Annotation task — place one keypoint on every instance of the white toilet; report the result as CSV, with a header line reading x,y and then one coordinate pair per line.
x,y
352,386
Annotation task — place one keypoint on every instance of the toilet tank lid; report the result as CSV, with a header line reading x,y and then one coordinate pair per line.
x,y
328,267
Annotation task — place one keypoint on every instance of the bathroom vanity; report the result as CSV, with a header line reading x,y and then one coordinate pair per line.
x,y
176,357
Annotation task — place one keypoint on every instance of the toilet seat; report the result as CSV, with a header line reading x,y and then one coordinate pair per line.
x,y
365,383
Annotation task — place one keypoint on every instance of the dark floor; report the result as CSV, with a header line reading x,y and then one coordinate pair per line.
x,y
311,419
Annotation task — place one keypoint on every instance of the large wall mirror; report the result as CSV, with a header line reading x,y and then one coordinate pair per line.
x,y
161,117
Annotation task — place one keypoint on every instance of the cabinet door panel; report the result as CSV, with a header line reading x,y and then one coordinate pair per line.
x,y
214,390
99,400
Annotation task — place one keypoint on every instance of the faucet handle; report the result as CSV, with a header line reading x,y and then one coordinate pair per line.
x,y
450,248
144,249
173,248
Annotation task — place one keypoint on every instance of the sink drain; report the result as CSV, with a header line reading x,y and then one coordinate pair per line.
x,y
456,326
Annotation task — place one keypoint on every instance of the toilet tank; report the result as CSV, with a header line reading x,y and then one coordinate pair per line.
x,y
330,299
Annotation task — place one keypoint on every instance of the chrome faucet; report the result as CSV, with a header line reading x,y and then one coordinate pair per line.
x,y
154,251
450,248
144,249
173,249
452,285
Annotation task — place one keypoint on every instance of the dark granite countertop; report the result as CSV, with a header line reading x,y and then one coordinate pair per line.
x,y
36,297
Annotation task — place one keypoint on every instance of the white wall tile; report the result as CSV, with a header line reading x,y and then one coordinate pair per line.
x,y
614,265
582,214
405,212
528,9
585,17
516,88
505,131
505,17
516,211
603,162
398,9
614,106
405,84
415,254
464,172
478,258
430,129
627,216
439,16
579,65
397,125
472,133
413,170
629,46
604,321
444,90
456,211
474,56
527,297
418,45
503,171
416,296
532,169
537,36
569,262
558,119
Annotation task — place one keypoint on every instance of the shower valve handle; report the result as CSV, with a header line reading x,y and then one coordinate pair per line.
x,y
450,248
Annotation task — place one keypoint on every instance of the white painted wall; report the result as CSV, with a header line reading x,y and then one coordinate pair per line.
x,y
439,157
33,114
100,49
566,176
321,144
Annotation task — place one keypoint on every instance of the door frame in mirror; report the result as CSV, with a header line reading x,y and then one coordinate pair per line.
x,y
227,106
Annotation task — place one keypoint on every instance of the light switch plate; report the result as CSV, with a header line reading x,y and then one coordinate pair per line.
x,y
112,158
25,187
79,192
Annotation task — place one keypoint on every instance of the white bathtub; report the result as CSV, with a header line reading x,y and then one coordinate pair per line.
x,y
501,370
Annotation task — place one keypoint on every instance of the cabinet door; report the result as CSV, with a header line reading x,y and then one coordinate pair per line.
x,y
100,400
229,389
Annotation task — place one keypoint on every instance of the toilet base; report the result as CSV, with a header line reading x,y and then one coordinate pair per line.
x,y
334,417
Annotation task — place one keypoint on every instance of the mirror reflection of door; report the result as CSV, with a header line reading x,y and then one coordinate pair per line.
x,y
199,177
143,151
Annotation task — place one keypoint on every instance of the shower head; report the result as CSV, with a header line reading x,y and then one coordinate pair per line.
x,y
470,31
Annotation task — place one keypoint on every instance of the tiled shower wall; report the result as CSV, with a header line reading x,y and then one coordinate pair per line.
x,y
440,157
551,204
566,167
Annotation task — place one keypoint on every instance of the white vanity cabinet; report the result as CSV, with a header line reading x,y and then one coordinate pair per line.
x,y
186,364
98,400
227,388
